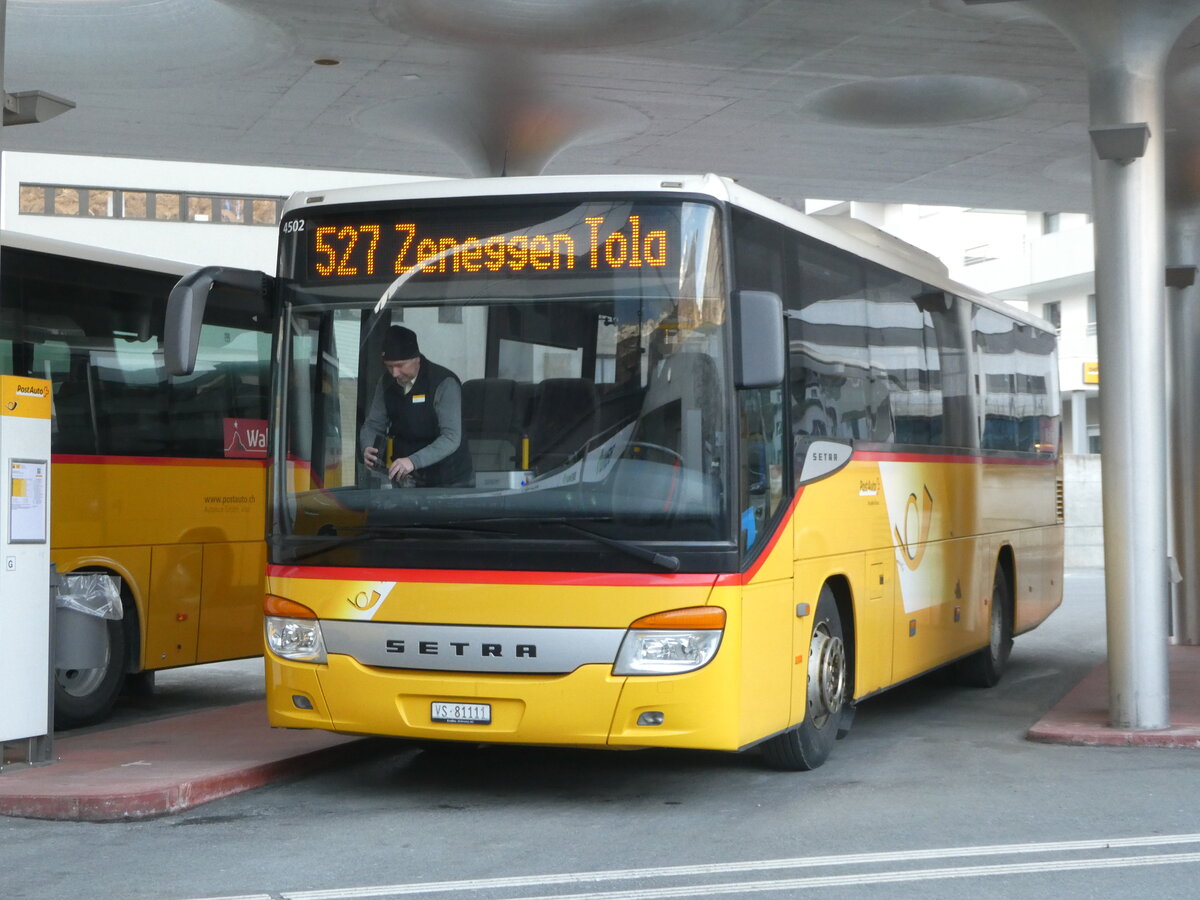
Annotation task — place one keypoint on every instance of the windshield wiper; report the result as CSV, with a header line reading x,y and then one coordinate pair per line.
x,y
637,551
336,541
479,526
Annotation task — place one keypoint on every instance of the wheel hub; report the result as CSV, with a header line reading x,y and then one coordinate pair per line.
x,y
826,675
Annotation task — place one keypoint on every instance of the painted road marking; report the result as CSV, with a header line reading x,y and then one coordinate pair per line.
x,y
805,862
822,881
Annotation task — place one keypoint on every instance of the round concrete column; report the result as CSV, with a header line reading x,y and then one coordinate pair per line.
x,y
1183,370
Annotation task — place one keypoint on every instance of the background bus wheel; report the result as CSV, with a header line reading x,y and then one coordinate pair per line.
x,y
87,696
984,668
808,744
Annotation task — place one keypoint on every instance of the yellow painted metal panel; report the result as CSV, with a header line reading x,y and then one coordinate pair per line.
x,y
172,623
232,599
767,666
148,501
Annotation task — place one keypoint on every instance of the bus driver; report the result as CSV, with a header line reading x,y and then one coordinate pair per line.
x,y
418,404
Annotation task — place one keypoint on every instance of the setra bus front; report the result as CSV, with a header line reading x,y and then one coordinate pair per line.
x,y
584,584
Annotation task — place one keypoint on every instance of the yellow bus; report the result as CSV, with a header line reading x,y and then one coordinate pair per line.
x,y
159,481
734,469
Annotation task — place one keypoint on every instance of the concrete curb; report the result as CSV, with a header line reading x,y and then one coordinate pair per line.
x,y
169,765
1081,717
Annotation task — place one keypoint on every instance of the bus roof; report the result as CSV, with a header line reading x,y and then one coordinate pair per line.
x,y
851,235
40,244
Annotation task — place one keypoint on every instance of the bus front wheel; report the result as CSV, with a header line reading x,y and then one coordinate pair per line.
x,y
87,696
808,744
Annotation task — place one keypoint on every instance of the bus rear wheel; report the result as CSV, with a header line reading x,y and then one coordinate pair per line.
x,y
87,696
985,667
808,744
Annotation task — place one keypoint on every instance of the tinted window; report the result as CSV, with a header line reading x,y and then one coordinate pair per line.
x,y
95,331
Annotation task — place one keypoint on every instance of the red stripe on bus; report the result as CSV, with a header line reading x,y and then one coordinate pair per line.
x,y
457,576
78,459
969,458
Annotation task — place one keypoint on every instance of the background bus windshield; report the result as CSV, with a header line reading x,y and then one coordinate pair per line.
x,y
570,390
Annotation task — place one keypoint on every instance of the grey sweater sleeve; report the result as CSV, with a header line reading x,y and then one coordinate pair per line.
x,y
447,406
376,422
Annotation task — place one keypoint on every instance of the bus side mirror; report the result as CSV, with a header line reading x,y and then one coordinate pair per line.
x,y
186,305
758,353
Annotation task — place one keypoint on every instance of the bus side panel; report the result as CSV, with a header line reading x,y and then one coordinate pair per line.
x,y
114,501
1039,588
767,665
202,521
847,512
874,616
173,620
231,601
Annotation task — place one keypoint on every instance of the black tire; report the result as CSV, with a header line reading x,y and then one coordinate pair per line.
x,y
139,684
985,667
87,696
808,744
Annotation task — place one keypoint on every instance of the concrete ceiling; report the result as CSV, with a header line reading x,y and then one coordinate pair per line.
x,y
924,101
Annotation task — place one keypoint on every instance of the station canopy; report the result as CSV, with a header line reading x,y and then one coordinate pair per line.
x,y
897,101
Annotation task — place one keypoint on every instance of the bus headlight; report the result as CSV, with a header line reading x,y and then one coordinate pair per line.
x,y
293,631
670,643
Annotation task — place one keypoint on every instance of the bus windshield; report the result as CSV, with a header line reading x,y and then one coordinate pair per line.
x,y
587,343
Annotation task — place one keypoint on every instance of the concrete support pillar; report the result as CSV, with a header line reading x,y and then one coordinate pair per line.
x,y
1183,393
1079,429
1125,44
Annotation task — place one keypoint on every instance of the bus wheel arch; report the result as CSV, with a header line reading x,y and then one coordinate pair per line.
x,y
828,688
87,696
985,667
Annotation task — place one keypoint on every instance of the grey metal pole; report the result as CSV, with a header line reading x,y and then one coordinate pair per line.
x,y
1125,44
1183,394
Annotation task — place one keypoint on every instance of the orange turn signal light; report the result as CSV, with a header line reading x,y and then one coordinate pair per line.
x,y
288,609
688,619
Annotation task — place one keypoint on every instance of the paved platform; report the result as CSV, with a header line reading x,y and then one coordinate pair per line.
x,y
1081,717
166,766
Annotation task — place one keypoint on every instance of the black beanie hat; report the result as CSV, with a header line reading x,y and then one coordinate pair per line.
x,y
400,343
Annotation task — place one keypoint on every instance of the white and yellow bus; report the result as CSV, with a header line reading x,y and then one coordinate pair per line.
x,y
735,470
157,480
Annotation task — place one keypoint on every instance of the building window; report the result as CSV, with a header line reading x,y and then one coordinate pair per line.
x,y
66,202
100,203
166,207
266,212
1052,313
1051,222
33,200
133,204
1091,304
160,206
199,209
232,209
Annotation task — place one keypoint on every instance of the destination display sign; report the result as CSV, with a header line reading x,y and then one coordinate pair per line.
x,y
582,240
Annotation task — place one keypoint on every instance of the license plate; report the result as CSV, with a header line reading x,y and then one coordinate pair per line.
x,y
461,713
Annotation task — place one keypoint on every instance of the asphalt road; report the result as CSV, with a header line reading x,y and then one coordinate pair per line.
x,y
935,793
